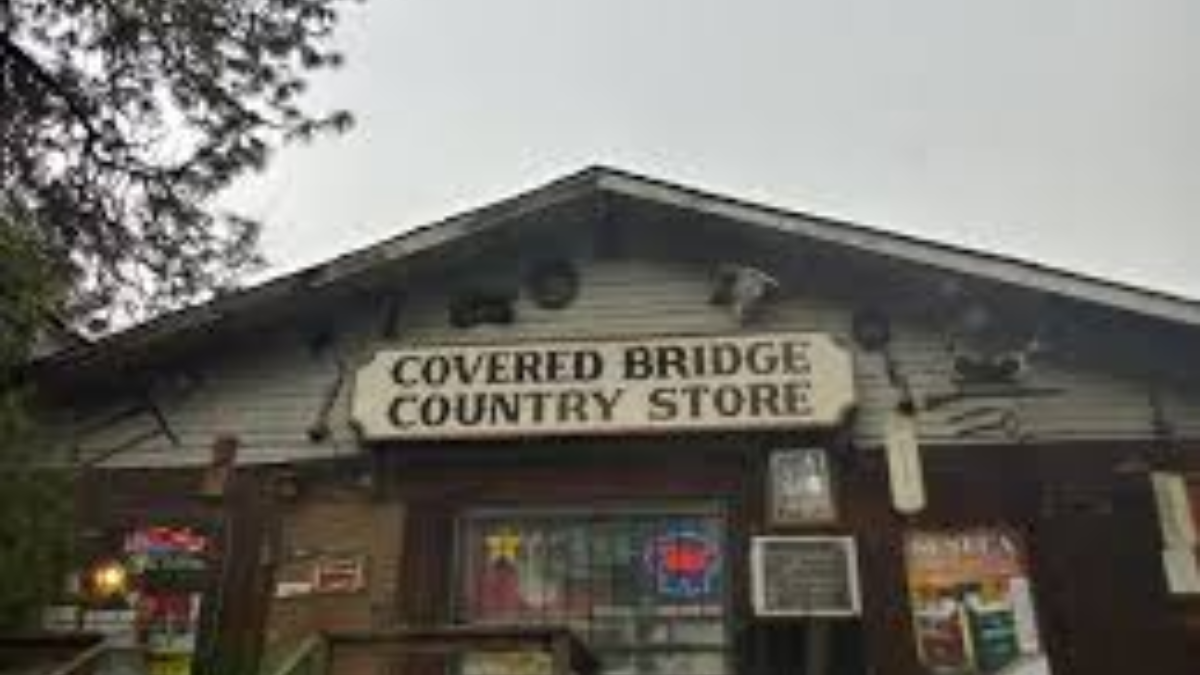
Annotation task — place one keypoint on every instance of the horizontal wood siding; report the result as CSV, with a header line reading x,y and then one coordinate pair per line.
x,y
326,522
270,392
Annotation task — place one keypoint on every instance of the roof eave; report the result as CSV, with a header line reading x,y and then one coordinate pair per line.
x,y
431,238
991,267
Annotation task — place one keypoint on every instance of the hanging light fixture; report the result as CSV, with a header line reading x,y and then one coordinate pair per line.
x,y
107,580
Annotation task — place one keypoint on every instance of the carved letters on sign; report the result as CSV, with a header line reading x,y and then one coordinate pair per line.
x,y
604,386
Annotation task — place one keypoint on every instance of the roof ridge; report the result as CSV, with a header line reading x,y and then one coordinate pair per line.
x,y
875,230
1000,268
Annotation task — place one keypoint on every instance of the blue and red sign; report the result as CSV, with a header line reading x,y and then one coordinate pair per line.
x,y
683,563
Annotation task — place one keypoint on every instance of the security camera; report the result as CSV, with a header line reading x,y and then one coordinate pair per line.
x,y
742,289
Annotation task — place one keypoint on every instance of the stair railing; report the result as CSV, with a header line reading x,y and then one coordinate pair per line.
x,y
318,653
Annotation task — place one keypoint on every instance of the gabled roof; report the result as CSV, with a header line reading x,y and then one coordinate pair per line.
x,y
602,180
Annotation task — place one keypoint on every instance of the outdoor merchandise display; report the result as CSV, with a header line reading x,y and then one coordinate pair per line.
x,y
169,565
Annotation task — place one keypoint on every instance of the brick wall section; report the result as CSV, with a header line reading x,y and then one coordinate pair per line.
x,y
325,521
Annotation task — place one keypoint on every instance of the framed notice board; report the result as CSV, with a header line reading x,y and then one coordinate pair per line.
x,y
805,576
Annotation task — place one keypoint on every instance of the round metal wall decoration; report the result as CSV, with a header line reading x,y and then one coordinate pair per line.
x,y
553,284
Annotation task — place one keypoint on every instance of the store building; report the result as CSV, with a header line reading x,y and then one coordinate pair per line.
x,y
708,436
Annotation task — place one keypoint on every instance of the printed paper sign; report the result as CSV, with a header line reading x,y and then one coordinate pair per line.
x,y
972,603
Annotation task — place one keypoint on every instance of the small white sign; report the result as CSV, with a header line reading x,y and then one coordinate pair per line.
x,y
1174,509
906,473
1182,570
339,574
654,384
293,589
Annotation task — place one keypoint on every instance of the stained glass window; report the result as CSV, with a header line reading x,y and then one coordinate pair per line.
x,y
646,588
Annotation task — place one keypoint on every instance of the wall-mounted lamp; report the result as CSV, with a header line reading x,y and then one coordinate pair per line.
x,y
107,580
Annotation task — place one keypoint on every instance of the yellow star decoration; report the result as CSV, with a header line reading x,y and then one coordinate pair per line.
x,y
503,546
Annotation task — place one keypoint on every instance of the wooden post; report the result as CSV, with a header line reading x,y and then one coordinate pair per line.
x,y
817,636
560,654
326,656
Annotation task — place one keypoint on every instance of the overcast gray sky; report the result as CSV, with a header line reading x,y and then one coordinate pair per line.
x,y
1064,131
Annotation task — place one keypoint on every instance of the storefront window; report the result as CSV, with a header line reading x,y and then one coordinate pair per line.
x,y
646,588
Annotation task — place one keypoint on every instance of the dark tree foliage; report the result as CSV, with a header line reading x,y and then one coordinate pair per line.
x,y
27,295
121,119
35,501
